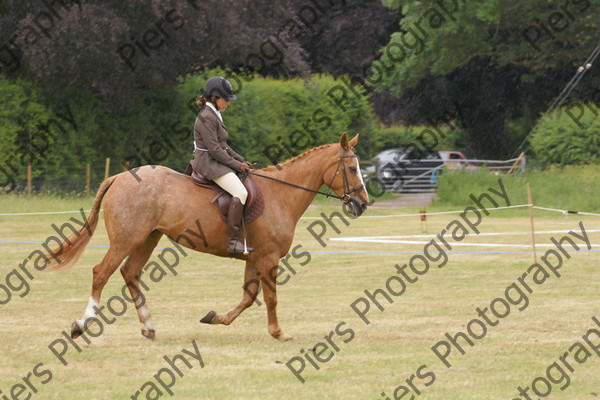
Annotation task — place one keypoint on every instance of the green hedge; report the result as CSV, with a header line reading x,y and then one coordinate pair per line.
x,y
271,121
568,136
22,111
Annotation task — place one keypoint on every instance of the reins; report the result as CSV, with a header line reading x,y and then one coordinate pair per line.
x,y
296,186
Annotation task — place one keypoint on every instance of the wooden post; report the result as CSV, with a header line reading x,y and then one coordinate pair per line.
x,y
88,178
529,200
517,161
107,168
29,179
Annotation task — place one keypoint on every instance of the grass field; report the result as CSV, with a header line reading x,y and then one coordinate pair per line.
x,y
242,361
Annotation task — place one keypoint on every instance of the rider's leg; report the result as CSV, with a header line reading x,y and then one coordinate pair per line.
x,y
232,184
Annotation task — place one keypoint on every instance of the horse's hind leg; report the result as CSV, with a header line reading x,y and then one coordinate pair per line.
x,y
102,271
131,273
251,285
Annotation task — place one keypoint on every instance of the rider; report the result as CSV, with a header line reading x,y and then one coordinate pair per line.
x,y
214,159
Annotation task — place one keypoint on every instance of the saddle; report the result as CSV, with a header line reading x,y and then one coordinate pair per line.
x,y
255,203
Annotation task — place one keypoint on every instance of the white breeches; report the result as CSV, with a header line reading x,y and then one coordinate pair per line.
x,y
232,184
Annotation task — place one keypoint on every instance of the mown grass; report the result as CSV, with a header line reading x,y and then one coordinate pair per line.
x,y
243,362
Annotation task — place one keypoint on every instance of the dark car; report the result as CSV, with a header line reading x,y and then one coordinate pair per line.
x,y
406,169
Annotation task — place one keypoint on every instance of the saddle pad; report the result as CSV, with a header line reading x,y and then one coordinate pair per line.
x,y
255,203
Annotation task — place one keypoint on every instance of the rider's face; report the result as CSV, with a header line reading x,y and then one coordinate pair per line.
x,y
222,104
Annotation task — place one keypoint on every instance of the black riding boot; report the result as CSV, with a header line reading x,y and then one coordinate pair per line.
x,y
234,222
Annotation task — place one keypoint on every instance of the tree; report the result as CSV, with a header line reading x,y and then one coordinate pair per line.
x,y
344,38
119,50
492,61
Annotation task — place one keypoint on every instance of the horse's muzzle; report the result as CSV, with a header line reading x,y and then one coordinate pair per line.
x,y
355,207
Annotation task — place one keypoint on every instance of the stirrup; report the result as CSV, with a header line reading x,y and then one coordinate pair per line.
x,y
235,246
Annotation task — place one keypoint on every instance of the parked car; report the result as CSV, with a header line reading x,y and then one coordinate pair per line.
x,y
406,169
456,160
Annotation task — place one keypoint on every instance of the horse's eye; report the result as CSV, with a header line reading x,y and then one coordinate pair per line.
x,y
352,169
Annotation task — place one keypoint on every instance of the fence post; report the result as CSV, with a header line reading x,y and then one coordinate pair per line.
x,y
29,179
88,178
529,200
107,168
519,160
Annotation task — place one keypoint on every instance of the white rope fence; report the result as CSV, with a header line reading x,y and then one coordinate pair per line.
x,y
432,213
564,212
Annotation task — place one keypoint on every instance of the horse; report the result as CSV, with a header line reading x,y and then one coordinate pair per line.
x,y
140,208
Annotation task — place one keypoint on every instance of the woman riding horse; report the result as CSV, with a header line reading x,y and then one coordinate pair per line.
x,y
215,160
138,213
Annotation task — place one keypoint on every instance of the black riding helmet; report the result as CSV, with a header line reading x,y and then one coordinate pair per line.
x,y
219,87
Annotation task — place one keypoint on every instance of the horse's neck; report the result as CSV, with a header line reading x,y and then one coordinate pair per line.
x,y
306,172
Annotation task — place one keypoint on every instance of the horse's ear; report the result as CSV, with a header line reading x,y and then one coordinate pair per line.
x,y
344,141
353,142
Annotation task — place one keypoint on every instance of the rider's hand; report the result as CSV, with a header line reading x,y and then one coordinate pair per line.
x,y
250,165
244,167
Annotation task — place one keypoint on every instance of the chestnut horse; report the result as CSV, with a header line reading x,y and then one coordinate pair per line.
x,y
139,211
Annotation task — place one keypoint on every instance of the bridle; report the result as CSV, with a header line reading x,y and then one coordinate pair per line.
x,y
347,189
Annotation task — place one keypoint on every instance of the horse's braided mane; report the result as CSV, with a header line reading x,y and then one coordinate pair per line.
x,y
299,156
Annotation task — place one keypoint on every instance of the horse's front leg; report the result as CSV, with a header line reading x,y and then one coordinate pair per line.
x,y
251,285
267,271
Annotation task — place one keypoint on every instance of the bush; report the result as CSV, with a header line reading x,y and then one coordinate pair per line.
x,y
559,140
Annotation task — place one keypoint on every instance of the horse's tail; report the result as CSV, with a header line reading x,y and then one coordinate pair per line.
x,y
67,253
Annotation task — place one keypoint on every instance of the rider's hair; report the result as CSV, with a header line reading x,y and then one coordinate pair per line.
x,y
201,100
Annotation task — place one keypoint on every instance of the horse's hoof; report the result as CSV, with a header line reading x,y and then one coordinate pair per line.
x,y
75,331
208,318
284,337
280,335
148,333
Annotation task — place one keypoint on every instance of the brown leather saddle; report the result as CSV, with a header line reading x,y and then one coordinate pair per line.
x,y
255,203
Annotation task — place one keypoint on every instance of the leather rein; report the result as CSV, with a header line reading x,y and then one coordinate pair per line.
x,y
347,189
